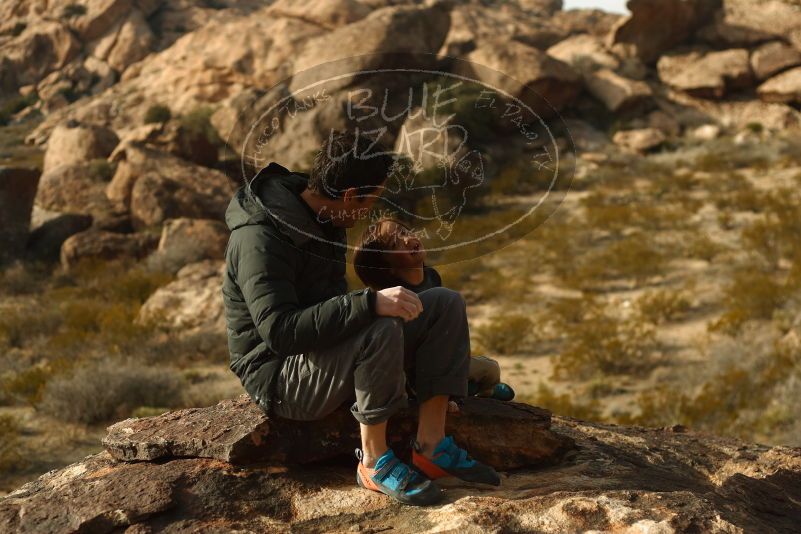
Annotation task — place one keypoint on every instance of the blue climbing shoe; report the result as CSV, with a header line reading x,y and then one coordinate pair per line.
x,y
503,392
450,460
392,477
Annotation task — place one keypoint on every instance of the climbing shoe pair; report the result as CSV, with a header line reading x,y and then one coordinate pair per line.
x,y
500,391
414,485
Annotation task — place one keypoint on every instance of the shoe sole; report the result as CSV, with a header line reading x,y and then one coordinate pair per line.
x,y
433,500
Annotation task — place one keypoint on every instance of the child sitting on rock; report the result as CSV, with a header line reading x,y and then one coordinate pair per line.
x,y
389,255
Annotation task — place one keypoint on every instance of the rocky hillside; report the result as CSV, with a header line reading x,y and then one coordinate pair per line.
x,y
227,468
121,128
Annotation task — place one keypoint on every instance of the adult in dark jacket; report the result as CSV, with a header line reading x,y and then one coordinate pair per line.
x,y
302,344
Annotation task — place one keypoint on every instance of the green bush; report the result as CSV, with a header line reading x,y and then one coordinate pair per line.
x,y
662,305
198,122
73,10
157,113
603,344
507,333
10,457
14,105
564,404
104,390
101,170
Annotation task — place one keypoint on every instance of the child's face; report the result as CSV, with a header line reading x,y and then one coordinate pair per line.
x,y
408,251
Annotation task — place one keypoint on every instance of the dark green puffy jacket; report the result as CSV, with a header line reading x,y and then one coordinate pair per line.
x,y
284,288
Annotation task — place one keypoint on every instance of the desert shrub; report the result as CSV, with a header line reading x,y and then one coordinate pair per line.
x,y
10,457
157,113
699,245
662,305
73,10
723,155
28,385
601,343
198,122
506,333
633,257
564,404
752,293
755,127
16,104
743,399
522,178
20,326
23,278
103,390
777,233
101,170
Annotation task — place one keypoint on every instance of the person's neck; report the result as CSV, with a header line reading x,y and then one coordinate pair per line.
x,y
411,275
317,205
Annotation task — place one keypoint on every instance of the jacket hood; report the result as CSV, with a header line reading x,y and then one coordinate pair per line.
x,y
273,197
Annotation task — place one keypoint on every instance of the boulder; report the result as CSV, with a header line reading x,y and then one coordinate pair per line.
x,y
706,132
641,140
471,23
39,50
17,191
773,58
783,88
155,186
238,431
185,241
664,122
191,303
541,7
94,245
99,17
75,188
706,74
132,42
723,34
616,92
46,239
367,43
617,479
777,17
596,22
550,84
656,26
584,53
329,14
72,143
176,138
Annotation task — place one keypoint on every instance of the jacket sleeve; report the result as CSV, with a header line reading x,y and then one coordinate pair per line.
x,y
267,281
435,277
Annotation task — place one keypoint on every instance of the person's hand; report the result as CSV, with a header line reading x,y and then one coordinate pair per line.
x,y
453,407
398,302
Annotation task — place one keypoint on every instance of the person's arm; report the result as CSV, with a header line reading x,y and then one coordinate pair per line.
x,y
266,274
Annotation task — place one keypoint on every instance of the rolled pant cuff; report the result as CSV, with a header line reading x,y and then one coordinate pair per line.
x,y
447,385
379,415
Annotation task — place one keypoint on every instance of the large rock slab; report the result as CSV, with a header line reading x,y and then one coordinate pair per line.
x,y
706,74
156,186
784,88
191,303
73,143
238,431
772,58
98,245
17,192
656,26
555,84
616,92
618,479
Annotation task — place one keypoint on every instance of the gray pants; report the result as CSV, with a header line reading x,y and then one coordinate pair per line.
x,y
372,367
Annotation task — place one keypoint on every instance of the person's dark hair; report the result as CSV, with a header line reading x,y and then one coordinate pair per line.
x,y
370,258
347,160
